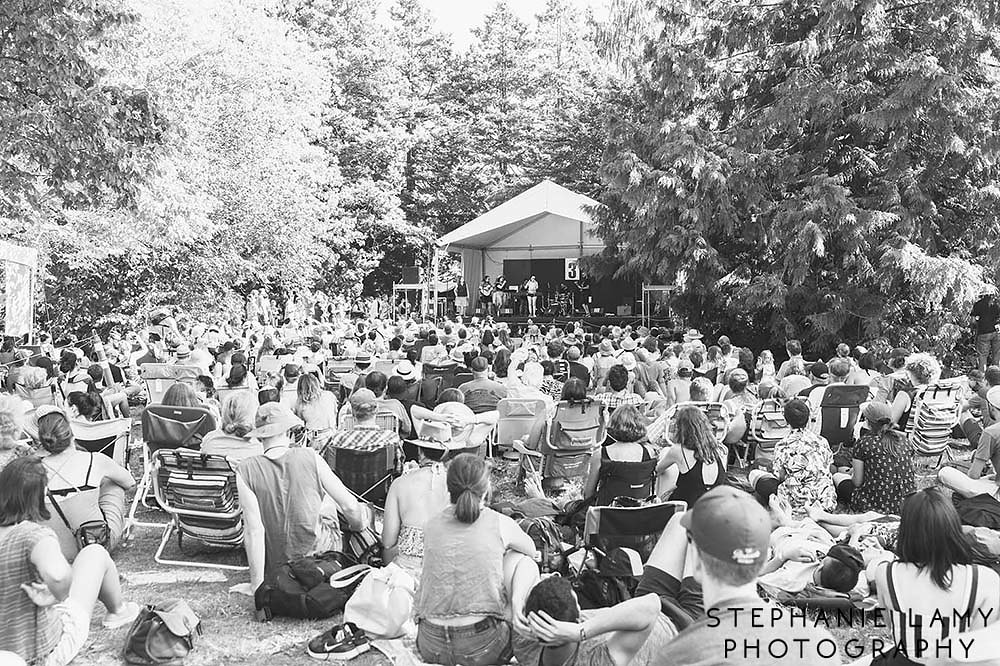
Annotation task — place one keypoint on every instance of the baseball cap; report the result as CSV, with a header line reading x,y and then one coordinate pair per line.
x,y
819,370
362,398
729,525
292,371
848,556
685,367
273,419
479,364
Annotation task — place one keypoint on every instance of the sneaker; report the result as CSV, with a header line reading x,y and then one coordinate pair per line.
x,y
124,617
342,642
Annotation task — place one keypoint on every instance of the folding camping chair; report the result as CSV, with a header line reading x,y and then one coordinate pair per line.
x,y
222,392
45,395
267,363
638,527
386,367
167,427
521,419
577,429
366,472
934,413
767,427
445,372
199,492
839,411
108,437
159,377
385,420
718,418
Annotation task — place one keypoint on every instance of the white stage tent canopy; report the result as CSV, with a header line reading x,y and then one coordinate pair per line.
x,y
546,221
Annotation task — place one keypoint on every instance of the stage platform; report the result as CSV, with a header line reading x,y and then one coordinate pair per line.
x,y
590,323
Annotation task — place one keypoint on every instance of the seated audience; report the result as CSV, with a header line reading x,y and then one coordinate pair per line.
x,y
290,499
625,466
922,370
13,443
620,394
46,604
482,394
478,570
802,467
231,437
694,464
85,406
317,408
88,486
882,468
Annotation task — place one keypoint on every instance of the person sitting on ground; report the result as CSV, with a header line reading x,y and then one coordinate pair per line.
x,y
805,555
45,603
801,469
894,377
290,499
882,465
931,578
114,397
75,378
413,499
625,464
982,408
478,569
100,482
481,393
318,410
922,370
679,388
12,440
727,533
610,636
694,464
231,438
620,394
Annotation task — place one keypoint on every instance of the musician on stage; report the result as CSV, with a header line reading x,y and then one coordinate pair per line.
x,y
499,294
485,294
531,287
583,286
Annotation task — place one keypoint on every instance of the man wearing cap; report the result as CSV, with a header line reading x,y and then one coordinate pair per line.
x,y
362,366
729,533
482,393
819,377
837,374
289,389
290,499
365,435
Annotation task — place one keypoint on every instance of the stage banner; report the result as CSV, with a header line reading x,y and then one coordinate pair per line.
x,y
18,299
573,269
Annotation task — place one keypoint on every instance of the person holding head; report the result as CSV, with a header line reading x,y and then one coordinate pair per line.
x,y
704,568
477,572
12,411
290,499
608,636
45,603
625,464
231,438
882,466
802,467
694,463
932,578
413,499
100,481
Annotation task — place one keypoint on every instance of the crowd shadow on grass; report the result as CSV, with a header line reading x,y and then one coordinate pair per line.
x,y
231,634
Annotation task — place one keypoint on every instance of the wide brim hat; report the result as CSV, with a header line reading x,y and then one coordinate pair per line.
x,y
692,335
628,344
274,419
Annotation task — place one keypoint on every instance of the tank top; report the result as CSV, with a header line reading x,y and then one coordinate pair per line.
x,y
289,494
691,484
463,567
620,478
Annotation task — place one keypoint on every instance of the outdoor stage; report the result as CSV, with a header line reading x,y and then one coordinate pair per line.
x,y
591,324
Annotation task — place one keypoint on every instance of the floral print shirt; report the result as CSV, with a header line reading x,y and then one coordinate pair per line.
x,y
806,459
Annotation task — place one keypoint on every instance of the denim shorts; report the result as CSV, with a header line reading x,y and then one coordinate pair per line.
x,y
485,642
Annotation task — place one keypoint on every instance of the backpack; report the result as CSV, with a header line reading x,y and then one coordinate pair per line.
x,y
596,591
548,542
309,588
162,634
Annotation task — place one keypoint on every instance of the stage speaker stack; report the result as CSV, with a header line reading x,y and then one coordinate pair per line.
x,y
411,274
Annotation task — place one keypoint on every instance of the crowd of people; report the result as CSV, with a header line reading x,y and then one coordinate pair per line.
x,y
674,419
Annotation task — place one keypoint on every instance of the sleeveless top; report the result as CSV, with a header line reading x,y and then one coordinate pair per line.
x,y
289,494
691,484
620,478
463,567
79,503
29,631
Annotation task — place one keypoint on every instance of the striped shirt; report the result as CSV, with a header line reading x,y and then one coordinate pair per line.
x,y
28,630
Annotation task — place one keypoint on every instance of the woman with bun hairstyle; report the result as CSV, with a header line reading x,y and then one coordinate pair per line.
x,y
73,471
478,569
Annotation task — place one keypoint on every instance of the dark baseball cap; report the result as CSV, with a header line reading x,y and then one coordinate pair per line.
x,y
729,525
819,370
479,364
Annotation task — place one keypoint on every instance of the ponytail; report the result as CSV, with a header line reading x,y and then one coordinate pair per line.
x,y
468,483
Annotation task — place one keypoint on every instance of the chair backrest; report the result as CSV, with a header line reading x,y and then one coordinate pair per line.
x,y
199,491
839,411
367,473
619,478
934,413
716,412
481,400
768,425
168,427
430,389
445,372
385,420
578,426
159,377
339,365
386,367
268,363
222,392
633,527
523,419
45,395
107,437
461,377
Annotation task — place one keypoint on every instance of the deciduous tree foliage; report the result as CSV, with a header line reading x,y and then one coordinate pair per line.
x,y
824,169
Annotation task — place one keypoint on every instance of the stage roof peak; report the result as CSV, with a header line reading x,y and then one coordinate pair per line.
x,y
545,198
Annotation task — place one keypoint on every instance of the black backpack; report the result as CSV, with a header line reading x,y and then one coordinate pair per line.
x,y
310,588
548,542
596,591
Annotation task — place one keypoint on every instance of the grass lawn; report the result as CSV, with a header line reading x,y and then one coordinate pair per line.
x,y
231,635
